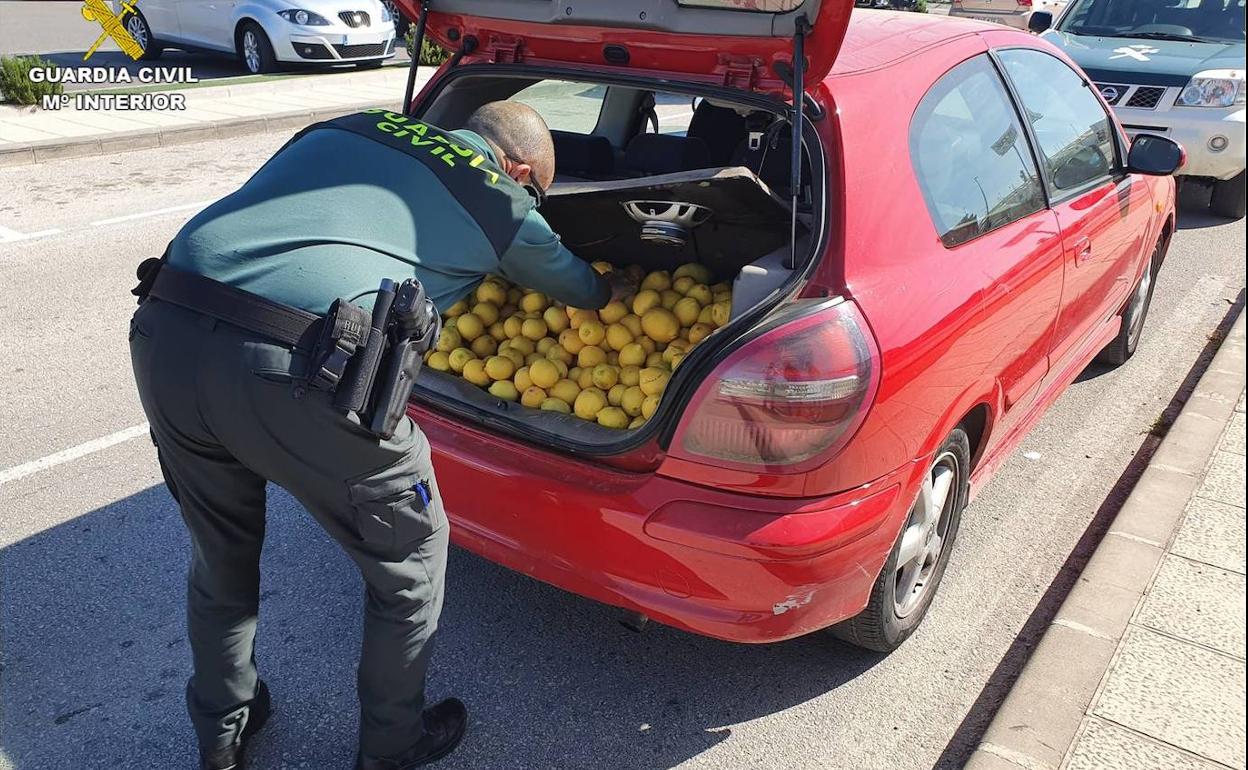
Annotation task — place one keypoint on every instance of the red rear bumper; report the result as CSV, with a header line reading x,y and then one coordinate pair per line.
x,y
737,567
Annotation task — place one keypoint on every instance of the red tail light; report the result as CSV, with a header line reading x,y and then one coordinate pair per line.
x,y
787,399
1025,3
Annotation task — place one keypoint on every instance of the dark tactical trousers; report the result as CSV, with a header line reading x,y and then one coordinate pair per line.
x,y
228,413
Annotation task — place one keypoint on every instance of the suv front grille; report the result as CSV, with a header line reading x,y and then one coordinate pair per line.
x,y
355,18
1113,92
356,51
1146,97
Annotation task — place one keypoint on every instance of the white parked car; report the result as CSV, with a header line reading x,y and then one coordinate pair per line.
x,y
265,33
1012,13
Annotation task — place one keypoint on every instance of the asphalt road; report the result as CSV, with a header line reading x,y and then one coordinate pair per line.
x,y
92,551
58,32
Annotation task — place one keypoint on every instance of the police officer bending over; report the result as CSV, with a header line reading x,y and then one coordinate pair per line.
x,y
270,346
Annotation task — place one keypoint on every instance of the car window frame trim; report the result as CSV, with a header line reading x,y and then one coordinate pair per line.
x,y
1055,196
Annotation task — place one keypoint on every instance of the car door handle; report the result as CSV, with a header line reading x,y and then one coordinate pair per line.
x,y
1083,250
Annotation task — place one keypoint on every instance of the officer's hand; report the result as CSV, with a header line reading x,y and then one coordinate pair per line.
x,y
622,284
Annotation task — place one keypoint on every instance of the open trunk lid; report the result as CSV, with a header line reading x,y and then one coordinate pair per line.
x,y
746,44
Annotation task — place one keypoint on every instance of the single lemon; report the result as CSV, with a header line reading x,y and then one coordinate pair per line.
x,y
484,346
618,336
602,266
683,283
534,302
612,417
613,312
632,354
707,316
505,390
533,328
448,340
571,341
655,360
490,291
544,373
669,298
469,326
660,325
586,378
605,376
522,344
556,320
637,423
686,311
646,300
566,391
474,372
500,368
487,312
649,406
632,322
532,396
458,309
522,379
556,405
579,317
701,292
615,396
698,332
516,356
631,400
589,403
630,375
592,332
658,280
590,356
458,357
559,353
720,313
699,272
498,331
513,325
653,381
545,344
439,361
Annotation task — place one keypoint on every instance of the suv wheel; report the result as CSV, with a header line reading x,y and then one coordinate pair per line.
x,y
908,582
255,50
1228,197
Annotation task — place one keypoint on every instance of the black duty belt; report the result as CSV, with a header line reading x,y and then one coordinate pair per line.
x,y
235,306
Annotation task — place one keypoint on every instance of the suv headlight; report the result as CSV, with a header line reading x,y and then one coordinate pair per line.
x,y
303,18
1214,88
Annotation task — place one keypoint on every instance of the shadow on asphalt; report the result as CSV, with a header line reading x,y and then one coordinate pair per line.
x,y
95,657
1193,203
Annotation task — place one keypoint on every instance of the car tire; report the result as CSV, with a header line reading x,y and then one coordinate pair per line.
x,y
254,49
906,585
138,28
1228,197
401,23
1135,312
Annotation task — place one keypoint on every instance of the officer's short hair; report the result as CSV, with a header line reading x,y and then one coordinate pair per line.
x,y
520,132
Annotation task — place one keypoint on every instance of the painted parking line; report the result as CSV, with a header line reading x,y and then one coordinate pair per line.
x,y
152,213
73,453
8,235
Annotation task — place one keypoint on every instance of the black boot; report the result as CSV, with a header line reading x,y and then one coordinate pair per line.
x,y
231,757
445,722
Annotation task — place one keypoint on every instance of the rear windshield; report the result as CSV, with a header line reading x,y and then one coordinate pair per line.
x,y
1198,21
762,6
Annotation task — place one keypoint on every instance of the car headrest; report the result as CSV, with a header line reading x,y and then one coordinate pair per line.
x,y
581,155
665,154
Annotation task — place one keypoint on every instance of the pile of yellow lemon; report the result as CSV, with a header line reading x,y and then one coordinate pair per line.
x,y
608,366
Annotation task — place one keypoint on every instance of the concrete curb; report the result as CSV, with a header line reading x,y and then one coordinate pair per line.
x,y
122,141
1040,717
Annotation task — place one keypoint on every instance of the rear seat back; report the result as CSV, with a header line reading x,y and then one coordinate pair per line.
x,y
583,156
650,154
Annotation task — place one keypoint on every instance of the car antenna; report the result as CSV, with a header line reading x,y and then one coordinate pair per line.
x,y
418,42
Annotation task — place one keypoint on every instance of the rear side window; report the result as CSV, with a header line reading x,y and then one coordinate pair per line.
x,y
971,155
565,105
1073,130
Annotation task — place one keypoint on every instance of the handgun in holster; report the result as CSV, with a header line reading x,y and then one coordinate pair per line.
x,y
412,331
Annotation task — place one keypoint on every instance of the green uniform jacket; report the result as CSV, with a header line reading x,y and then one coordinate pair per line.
x,y
333,213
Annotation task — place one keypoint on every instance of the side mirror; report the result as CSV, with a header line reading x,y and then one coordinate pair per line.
x,y
1155,155
1040,21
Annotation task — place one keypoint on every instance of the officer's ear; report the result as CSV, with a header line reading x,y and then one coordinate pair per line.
x,y
521,172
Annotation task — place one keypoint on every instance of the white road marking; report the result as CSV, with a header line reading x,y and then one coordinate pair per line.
x,y
8,235
152,213
71,454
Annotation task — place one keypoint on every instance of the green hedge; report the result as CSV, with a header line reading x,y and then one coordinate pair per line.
x,y
16,86
430,52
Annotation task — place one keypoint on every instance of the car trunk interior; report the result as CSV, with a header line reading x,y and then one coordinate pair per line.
x,y
715,191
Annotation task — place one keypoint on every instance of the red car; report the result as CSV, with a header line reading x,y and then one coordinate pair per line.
x,y
962,228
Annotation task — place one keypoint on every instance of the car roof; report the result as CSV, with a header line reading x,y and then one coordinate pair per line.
x,y
878,38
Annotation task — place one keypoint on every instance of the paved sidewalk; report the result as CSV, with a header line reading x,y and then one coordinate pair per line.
x,y
1143,667
29,135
